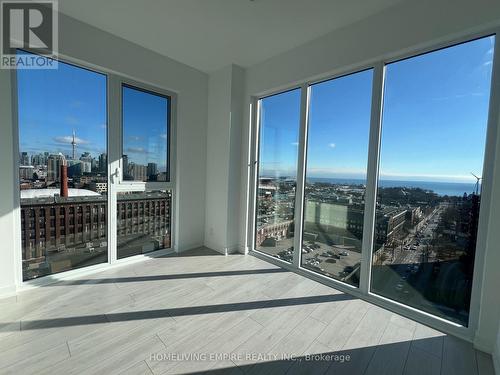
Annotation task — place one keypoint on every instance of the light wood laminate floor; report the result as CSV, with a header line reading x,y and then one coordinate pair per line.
x,y
207,313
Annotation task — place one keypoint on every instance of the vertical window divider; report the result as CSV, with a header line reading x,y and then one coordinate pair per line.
x,y
114,161
255,169
372,177
253,165
301,172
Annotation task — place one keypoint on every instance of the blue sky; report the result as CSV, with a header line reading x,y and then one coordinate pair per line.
x,y
145,127
53,103
434,120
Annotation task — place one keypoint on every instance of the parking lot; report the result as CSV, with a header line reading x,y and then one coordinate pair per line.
x,y
337,261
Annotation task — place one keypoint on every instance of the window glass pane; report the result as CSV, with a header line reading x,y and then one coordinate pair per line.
x,y
145,135
279,134
433,138
62,169
143,222
337,154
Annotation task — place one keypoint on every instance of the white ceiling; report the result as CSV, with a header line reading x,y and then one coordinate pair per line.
x,y
210,34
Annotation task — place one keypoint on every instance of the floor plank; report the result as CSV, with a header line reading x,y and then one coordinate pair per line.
x,y
244,315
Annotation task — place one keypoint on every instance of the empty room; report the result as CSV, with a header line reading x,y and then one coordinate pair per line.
x,y
250,187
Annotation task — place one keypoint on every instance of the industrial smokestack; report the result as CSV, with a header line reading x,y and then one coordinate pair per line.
x,y
64,180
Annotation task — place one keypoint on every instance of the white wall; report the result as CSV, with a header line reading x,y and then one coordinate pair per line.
x,y
218,140
225,98
7,256
91,45
399,29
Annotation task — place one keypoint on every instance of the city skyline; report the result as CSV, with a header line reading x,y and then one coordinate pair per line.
x,y
50,110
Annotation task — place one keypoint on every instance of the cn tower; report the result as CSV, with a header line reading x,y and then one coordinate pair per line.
x,y
73,144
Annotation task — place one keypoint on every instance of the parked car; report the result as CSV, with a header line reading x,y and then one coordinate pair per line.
x,y
349,269
399,287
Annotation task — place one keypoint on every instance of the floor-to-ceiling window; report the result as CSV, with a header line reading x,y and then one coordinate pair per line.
x,y
64,158
337,154
402,141
277,176
429,189
62,119
144,212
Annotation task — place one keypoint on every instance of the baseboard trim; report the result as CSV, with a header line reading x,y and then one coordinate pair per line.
x,y
8,292
224,250
215,247
181,249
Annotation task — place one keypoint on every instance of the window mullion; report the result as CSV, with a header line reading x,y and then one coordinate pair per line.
x,y
301,171
114,161
372,176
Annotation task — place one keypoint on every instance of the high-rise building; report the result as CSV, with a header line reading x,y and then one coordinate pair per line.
x,y
74,168
138,172
54,163
24,159
152,171
126,168
40,159
86,166
103,162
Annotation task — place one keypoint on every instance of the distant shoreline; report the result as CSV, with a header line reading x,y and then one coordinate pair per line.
x,y
440,188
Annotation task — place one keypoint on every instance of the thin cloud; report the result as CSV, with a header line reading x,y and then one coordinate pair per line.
x,y
137,150
458,96
294,143
164,136
134,138
332,145
67,139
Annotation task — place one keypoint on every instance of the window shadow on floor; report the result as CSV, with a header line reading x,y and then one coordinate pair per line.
x,y
193,275
172,312
415,357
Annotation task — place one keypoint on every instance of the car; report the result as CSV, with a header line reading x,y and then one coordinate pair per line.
x,y
325,254
399,287
343,253
348,269
414,247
